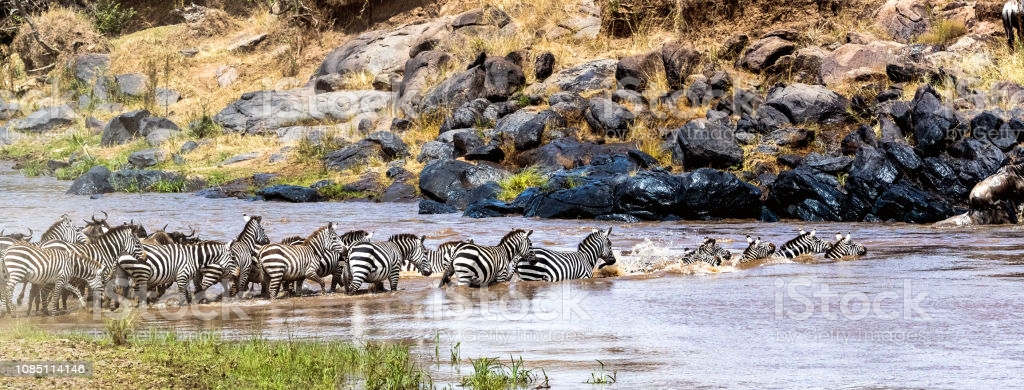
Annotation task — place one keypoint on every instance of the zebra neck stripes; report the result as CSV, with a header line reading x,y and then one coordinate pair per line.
x,y
479,266
805,243
63,230
757,249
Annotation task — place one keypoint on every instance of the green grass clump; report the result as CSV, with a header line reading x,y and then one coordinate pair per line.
x,y
514,185
168,186
490,373
602,377
121,330
33,168
943,31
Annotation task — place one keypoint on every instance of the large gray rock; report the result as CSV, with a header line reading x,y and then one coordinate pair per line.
x,y
95,181
147,158
443,179
246,42
852,61
680,62
531,134
608,118
161,136
636,71
263,112
125,127
588,76
47,119
132,84
8,109
763,53
456,90
141,180
904,19
419,73
351,156
436,150
701,143
378,51
502,79
391,145
90,67
288,193
803,103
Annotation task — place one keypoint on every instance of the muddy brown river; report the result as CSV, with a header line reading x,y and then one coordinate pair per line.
x,y
926,308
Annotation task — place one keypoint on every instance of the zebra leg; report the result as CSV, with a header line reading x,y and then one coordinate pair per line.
x,y
141,286
395,270
21,297
183,291
54,295
311,275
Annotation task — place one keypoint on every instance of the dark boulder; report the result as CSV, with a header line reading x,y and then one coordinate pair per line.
x,y
800,194
544,66
95,181
764,52
288,193
870,175
489,208
937,175
399,192
351,156
902,156
440,179
464,142
531,133
568,104
827,164
608,118
502,79
905,203
462,199
142,180
490,152
803,103
428,206
713,194
456,90
704,144
733,47
46,119
466,116
585,201
792,137
649,194
863,136
123,128
932,122
391,145
680,62
568,153
435,150
635,72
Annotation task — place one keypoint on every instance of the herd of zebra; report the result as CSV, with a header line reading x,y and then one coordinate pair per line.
x,y
125,261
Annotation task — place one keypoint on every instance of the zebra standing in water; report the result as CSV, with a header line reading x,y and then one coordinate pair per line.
x,y
757,250
376,261
106,249
28,263
805,243
554,266
65,231
245,248
176,263
286,263
338,269
844,246
708,252
439,259
480,266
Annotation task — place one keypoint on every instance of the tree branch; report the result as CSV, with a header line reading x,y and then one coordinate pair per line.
x,y
35,33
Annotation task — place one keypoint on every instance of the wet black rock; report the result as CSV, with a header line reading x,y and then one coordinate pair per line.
x,y
428,206
705,144
95,181
906,203
289,193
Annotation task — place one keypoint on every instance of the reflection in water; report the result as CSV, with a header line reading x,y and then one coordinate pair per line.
x,y
926,308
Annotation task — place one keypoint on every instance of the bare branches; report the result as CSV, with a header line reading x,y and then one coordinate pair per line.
x,y
20,8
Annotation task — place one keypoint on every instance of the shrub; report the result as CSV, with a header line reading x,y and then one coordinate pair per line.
x,y
64,30
514,185
109,18
943,31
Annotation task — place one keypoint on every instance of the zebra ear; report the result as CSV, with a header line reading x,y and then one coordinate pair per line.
x,y
246,217
847,236
609,232
529,232
839,236
423,238
813,232
749,240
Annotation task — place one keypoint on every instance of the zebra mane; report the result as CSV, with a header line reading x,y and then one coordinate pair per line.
x,y
291,239
114,231
512,233
403,237
798,238
56,225
315,234
355,234
450,243
255,219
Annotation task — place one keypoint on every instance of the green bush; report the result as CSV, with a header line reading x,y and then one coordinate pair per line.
x,y
514,185
110,18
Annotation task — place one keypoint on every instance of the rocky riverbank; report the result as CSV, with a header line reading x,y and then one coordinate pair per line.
x,y
496,111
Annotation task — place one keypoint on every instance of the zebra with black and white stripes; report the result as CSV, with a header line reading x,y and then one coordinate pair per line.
x,y
844,247
757,250
64,230
28,263
286,263
480,266
374,262
245,248
708,252
805,243
439,259
175,263
552,266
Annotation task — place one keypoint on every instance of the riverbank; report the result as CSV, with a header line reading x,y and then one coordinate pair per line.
x,y
853,112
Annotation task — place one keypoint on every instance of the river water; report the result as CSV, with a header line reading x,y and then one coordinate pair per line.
x,y
927,307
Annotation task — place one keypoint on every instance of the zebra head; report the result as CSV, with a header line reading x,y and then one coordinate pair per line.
x,y
757,249
330,240
600,245
253,230
517,244
221,264
64,230
416,252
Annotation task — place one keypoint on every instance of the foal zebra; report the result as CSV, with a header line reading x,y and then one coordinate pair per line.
x,y
286,263
376,261
757,249
845,247
480,266
1013,19
439,260
708,252
176,263
245,248
805,243
28,263
554,266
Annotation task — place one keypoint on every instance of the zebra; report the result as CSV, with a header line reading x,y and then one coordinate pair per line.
x,y
41,266
176,263
65,231
284,263
338,269
1013,18
439,259
553,266
245,248
757,249
708,252
845,247
106,249
480,266
376,261
804,243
